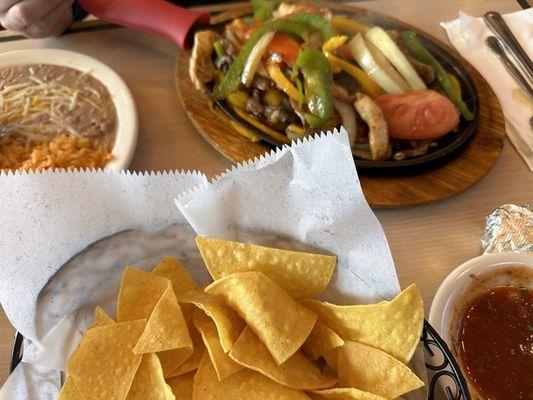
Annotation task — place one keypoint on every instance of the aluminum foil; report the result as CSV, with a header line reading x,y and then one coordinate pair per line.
x,y
509,228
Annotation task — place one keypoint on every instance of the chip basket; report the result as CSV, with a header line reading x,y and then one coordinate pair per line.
x,y
445,380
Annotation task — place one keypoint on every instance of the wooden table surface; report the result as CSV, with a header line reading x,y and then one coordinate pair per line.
x,y
427,242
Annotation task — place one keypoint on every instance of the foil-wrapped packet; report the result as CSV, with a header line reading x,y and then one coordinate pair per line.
x,y
509,228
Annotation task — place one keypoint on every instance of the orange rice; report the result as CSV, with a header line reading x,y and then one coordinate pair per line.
x,y
63,151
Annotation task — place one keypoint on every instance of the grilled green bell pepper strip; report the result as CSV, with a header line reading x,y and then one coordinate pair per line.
x,y
317,81
263,8
232,79
219,49
420,52
316,22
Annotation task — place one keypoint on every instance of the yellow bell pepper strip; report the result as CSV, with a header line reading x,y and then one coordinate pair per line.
x,y
316,22
232,79
334,43
241,130
282,82
296,129
368,86
295,132
317,81
262,127
347,25
420,52
245,132
337,65
238,99
273,97
455,84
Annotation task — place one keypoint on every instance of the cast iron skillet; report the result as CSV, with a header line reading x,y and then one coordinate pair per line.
x,y
448,146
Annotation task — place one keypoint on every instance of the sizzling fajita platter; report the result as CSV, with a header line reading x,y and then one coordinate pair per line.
x,y
410,105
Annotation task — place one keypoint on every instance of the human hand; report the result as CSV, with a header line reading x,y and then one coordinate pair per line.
x,y
36,18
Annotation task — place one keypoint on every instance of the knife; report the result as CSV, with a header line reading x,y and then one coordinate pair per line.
x,y
496,47
498,25
153,16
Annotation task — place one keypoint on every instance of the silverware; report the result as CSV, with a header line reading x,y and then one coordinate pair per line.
x,y
496,47
498,25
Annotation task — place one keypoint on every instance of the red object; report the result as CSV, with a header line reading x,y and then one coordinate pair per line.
x,y
153,16
418,115
494,341
286,47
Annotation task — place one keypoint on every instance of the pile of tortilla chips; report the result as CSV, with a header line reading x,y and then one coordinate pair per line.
x,y
254,333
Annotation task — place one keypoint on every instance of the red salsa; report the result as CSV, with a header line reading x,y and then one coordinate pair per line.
x,y
495,343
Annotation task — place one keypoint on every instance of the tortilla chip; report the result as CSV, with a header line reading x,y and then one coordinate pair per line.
x,y
392,326
244,385
223,364
101,318
194,360
69,391
302,275
297,372
171,360
321,340
344,394
166,328
191,363
104,363
229,324
139,294
182,386
281,323
331,358
176,273
372,370
149,383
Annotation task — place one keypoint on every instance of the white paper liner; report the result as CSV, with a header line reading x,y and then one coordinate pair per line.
x,y
48,218
308,193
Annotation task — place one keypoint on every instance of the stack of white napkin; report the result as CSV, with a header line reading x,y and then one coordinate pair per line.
x,y
468,34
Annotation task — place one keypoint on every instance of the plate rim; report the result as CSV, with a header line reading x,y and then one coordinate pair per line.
x,y
128,121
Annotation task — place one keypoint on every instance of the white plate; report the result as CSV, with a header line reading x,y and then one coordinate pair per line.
x,y
127,127
453,288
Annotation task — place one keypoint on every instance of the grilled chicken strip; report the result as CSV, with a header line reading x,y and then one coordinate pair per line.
x,y
378,135
201,68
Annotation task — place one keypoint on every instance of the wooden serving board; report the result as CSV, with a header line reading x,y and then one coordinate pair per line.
x,y
381,191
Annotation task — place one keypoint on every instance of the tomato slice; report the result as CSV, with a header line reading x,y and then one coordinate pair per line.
x,y
286,47
418,115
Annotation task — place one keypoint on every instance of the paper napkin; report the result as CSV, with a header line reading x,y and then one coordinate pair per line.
x,y
468,34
